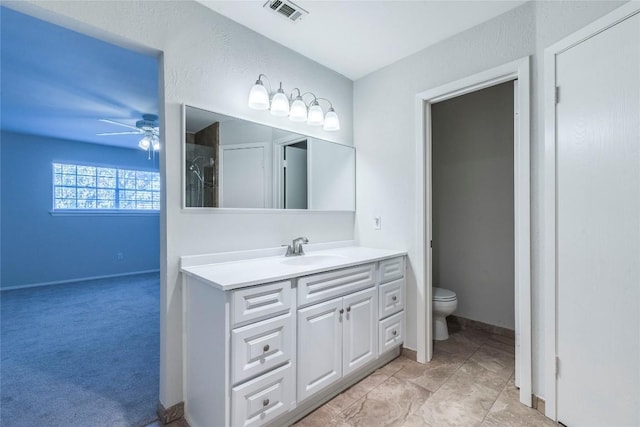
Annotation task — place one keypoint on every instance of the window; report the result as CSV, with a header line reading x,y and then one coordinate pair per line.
x,y
93,187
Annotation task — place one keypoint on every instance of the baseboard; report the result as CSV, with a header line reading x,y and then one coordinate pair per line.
x,y
409,354
538,404
84,279
462,323
170,414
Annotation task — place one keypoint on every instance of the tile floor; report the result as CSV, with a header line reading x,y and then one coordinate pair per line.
x,y
469,382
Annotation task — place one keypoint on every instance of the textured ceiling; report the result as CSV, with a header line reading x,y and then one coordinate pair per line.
x,y
59,83
356,38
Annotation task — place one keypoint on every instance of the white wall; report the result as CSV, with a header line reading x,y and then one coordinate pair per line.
x,y
243,132
210,62
473,203
384,118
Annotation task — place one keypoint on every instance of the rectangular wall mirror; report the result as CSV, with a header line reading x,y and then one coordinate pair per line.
x,y
235,163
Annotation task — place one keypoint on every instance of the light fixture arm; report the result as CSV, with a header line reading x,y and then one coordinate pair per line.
x,y
299,93
315,98
325,99
259,81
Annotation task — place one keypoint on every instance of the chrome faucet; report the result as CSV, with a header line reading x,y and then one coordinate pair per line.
x,y
295,248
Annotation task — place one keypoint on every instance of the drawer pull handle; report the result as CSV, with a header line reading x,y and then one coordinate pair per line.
x,y
348,309
265,402
266,348
394,298
395,332
341,310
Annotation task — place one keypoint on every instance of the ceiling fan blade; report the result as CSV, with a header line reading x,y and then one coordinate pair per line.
x,y
119,133
118,123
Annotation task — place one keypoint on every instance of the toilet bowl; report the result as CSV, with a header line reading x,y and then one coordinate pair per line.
x,y
445,302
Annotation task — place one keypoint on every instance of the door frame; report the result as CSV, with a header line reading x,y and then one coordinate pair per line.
x,y
518,70
278,167
549,260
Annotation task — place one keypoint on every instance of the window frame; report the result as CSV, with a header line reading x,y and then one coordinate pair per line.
x,y
117,189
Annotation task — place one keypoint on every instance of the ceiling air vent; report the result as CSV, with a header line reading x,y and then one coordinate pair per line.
x,y
286,9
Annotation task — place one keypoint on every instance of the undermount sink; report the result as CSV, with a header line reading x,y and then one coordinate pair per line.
x,y
311,259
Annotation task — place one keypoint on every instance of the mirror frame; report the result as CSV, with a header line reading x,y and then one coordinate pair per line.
x,y
198,209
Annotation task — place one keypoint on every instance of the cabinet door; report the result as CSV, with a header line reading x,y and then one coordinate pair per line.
x,y
319,347
360,344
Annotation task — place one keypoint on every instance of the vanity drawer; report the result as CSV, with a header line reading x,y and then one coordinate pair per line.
x,y
258,347
391,269
390,298
259,401
256,302
324,286
391,332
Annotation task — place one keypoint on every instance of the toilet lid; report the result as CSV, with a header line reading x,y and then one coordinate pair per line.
x,y
441,294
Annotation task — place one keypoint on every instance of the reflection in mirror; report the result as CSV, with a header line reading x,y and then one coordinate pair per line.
x,y
235,163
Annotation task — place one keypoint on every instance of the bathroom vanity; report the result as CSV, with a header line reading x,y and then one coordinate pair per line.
x,y
268,338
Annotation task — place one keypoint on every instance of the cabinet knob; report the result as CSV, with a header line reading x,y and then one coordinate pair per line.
x,y
394,298
265,402
348,309
395,332
341,310
266,348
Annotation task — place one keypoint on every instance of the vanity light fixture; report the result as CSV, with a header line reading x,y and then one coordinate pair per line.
x,y
294,107
280,103
316,115
259,97
298,112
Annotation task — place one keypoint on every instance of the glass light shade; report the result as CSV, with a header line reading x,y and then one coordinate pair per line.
x,y
298,111
155,143
144,143
315,116
259,97
331,121
280,104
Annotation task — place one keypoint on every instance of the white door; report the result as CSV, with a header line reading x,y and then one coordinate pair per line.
x,y
360,329
243,178
295,176
319,347
598,229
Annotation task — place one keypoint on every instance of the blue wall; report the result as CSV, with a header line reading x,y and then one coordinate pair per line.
x,y
38,247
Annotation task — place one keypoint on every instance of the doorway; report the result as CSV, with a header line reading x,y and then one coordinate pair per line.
x,y
517,71
291,183
472,197
295,176
80,328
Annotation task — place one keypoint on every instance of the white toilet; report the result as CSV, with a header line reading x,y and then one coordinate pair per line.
x,y
445,302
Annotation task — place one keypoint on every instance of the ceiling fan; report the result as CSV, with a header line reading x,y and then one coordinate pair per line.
x,y
148,127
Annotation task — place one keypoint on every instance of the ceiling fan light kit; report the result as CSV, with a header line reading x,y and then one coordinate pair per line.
x,y
147,127
295,108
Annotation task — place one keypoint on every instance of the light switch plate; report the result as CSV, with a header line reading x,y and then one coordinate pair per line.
x,y
377,223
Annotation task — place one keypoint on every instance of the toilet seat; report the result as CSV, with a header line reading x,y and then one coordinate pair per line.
x,y
441,294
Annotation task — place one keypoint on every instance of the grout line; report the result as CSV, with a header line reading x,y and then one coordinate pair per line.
x,y
506,384
495,400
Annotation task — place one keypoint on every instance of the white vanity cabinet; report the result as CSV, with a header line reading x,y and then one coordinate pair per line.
x,y
266,353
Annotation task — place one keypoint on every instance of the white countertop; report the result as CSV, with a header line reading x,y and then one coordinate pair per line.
x,y
247,272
